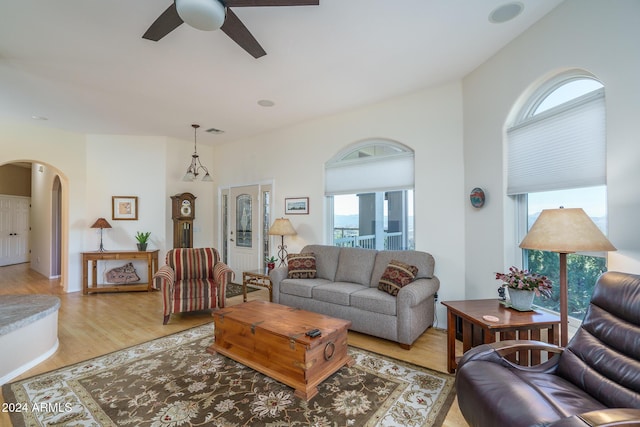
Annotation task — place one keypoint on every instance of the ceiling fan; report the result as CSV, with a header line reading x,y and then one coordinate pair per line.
x,y
213,14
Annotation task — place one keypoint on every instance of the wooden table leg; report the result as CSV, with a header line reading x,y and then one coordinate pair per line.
x,y
535,354
94,273
149,271
244,287
451,342
85,277
467,335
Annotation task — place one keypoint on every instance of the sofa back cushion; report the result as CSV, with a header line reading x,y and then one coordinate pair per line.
x,y
192,263
423,260
603,357
326,260
355,265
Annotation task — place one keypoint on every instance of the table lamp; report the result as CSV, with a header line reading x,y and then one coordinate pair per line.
x,y
282,227
565,231
101,223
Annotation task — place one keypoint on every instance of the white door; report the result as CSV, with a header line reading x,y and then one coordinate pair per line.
x,y
14,229
244,230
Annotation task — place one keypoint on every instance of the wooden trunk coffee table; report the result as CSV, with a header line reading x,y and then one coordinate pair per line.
x,y
270,338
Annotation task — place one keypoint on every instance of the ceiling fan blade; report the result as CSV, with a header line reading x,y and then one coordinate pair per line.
x,y
257,3
236,30
167,22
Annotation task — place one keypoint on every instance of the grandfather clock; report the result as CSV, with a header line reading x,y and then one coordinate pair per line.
x,y
183,212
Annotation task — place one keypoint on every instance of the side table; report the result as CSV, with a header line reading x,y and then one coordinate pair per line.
x,y
257,278
511,324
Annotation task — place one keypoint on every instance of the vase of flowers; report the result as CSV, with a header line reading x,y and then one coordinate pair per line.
x,y
523,286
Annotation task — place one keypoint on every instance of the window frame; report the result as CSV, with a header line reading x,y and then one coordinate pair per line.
x,y
523,116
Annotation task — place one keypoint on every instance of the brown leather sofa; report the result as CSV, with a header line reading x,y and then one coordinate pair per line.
x,y
595,380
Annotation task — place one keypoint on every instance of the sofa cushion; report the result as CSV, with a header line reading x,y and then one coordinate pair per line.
x,y
423,260
301,287
326,260
396,276
336,293
355,265
371,299
301,266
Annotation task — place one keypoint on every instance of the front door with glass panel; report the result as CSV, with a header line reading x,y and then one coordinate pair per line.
x,y
244,229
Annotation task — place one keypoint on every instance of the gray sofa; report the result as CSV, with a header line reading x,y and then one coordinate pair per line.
x,y
346,287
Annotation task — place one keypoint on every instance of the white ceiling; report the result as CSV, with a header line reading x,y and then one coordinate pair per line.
x,y
84,66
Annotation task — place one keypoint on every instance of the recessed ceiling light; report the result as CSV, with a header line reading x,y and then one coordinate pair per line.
x,y
266,103
39,118
506,12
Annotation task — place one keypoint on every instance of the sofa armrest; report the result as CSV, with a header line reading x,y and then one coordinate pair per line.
x,y
277,275
164,281
417,291
496,353
602,418
221,274
164,278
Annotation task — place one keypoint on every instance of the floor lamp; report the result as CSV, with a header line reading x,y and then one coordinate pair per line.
x,y
101,223
282,227
565,231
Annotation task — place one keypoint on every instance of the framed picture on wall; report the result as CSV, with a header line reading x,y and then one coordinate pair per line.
x,y
296,206
124,208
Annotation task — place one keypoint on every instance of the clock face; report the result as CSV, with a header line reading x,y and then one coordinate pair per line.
x,y
185,209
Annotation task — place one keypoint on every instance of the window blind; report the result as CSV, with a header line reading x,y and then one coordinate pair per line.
x,y
383,173
561,148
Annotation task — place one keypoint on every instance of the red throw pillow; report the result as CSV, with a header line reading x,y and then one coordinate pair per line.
x,y
301,266
396,276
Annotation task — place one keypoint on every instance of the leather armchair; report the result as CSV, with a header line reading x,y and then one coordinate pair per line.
x,y
193,279
594,381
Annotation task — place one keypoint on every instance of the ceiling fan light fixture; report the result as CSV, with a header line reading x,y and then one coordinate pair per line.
x,y
205,15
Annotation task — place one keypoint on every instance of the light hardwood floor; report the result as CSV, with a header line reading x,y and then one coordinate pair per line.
x,y
97,324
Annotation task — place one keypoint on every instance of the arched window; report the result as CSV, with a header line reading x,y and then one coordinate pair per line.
x,y
557,157
369,192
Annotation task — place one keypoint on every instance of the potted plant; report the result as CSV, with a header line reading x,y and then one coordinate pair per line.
x,y
142,239
523,286
271,262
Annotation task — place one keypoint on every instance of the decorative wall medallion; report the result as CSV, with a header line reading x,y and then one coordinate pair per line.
x,y
477,197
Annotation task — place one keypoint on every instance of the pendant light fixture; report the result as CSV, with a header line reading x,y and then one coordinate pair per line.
x,y
196,167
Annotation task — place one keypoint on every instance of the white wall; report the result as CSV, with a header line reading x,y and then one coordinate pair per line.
x,y
429,121
600,37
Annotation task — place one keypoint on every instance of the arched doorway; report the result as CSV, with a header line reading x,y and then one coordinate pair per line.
x,y
47,219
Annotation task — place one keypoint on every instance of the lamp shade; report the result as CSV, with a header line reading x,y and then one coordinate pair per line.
x,y
566,231
282,227
101,223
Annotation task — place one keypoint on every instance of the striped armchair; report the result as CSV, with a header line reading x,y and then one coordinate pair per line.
x,y
192,279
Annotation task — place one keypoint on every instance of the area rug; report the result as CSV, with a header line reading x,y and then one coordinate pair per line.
x,y
233,289
172,381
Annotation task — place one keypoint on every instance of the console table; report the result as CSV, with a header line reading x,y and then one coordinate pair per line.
x,y
511,324
90,261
